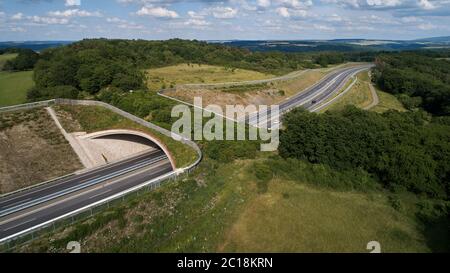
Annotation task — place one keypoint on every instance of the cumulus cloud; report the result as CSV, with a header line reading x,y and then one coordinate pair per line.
x,y
17,16
291,13
158,12
264,3
224,12
384,3
425,4
74,13
71,3
48,20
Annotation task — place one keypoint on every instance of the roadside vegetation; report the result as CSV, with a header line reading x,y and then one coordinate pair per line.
x,y
255,93
33,150
359,95
255,202
387,102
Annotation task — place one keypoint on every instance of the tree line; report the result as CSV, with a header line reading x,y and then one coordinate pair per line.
x,y
408,150
419,79
25,60
91,65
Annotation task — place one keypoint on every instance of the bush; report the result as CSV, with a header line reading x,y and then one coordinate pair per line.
x,y
62,92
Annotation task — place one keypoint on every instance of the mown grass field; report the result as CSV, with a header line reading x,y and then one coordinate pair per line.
x,y
198,73
14,87
93,118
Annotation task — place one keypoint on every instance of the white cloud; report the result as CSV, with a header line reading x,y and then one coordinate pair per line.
x,y
48,20
425,4
74,13
264,3
158,12
224,12
17,16
71,3
18,29
384,3
291,13
197,23
295,4
195,15
283,12
323,27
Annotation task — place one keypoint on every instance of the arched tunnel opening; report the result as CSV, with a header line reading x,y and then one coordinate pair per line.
x,y
131,138
115,145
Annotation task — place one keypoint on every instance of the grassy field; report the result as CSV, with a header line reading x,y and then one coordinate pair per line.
x,y
387,102
6,57
92,119
220,209
294,217
360,96
32,150
196,73
14,87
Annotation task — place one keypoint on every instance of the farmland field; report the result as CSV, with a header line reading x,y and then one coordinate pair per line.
x,y
198,73
14,87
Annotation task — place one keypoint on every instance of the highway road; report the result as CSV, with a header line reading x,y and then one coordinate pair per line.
x,y
32,207
317,94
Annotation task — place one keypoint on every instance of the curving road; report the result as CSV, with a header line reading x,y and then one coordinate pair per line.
x,y
30,208
315,95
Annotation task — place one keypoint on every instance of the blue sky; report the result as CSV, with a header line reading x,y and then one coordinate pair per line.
x,y
223,19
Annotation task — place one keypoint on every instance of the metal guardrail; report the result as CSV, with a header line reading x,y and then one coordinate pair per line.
x,y
152,184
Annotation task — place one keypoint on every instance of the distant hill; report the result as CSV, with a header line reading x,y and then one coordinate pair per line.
x,y
34,45
444,39
342,45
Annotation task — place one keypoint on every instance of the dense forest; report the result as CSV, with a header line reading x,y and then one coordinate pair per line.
x,y
91,65
419,79
404,150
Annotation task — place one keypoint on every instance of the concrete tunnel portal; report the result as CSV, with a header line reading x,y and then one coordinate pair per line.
x,y
113,145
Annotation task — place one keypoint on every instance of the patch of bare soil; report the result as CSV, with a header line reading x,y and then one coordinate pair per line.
x,y
32,150
216,97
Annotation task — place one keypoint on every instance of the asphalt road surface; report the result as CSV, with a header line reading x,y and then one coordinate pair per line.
x,y
316,94
27,209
